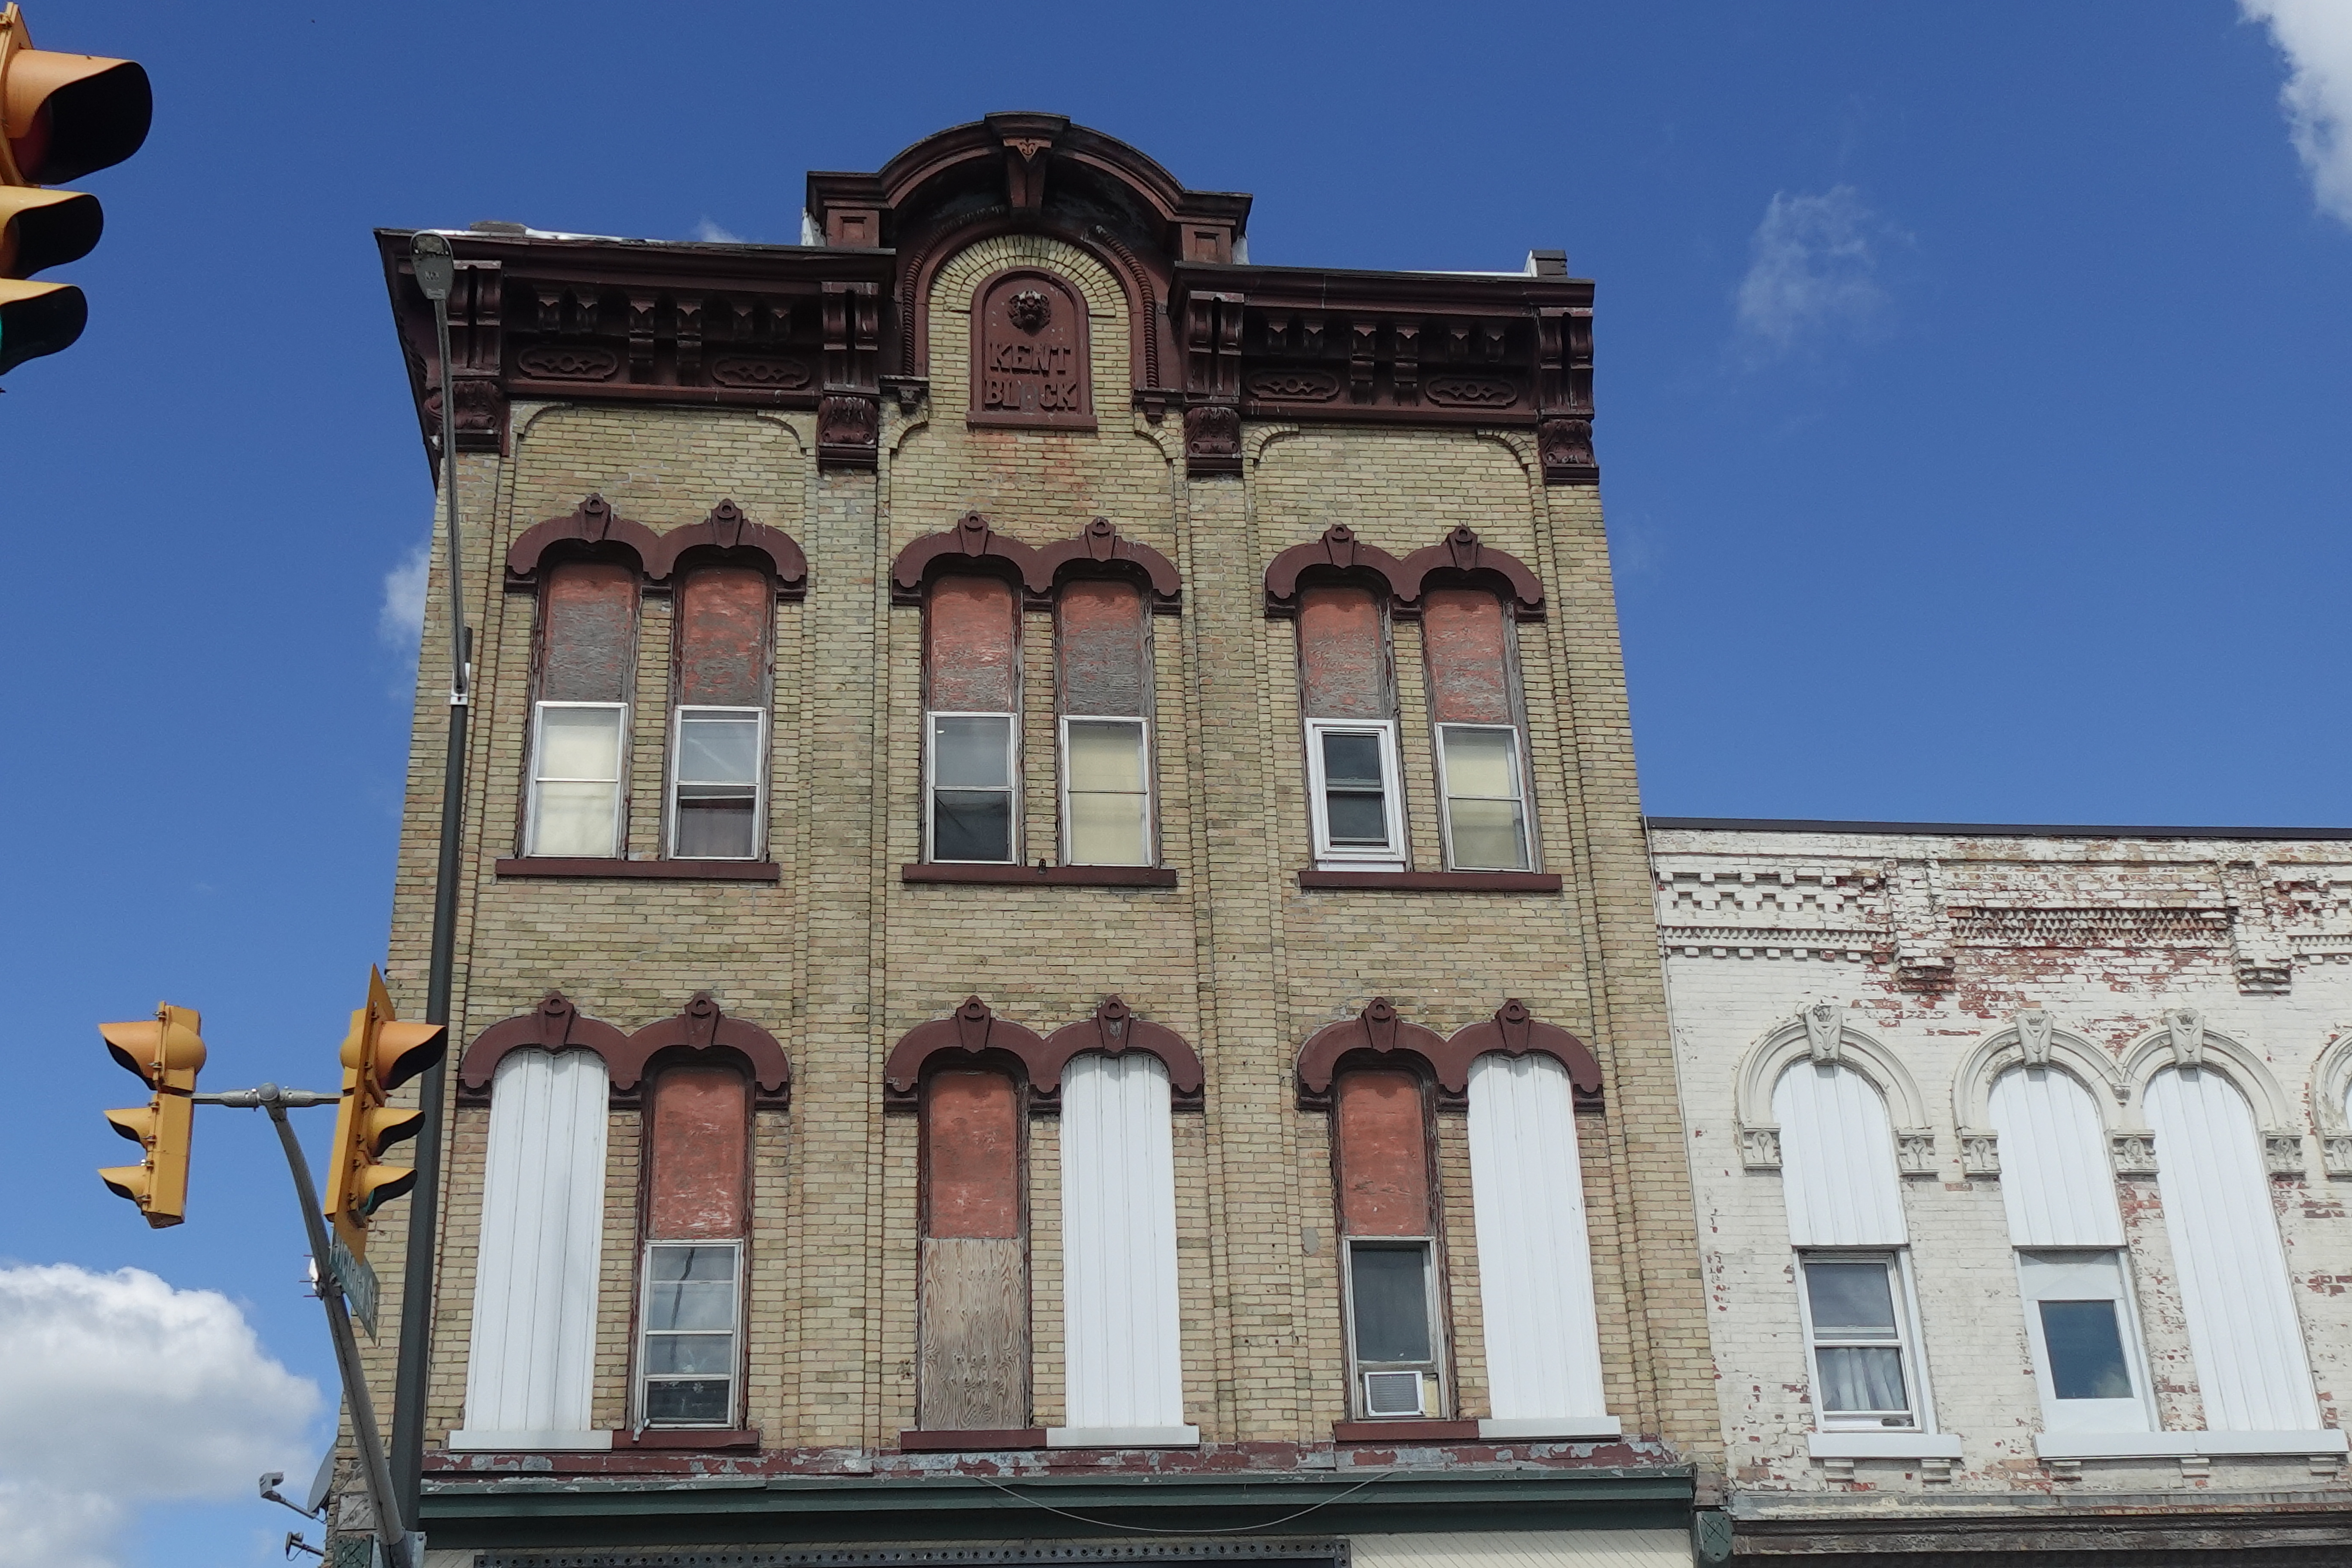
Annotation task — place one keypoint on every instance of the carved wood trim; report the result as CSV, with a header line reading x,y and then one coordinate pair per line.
x,y
1379,1033
556,1024
1338,553
1097,550
1461,556
970,1033
1115,1030
593,528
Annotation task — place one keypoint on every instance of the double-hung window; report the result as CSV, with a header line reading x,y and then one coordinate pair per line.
x,y
1352,773
1102,631
972,685
718,730
580,718
1485,804
687,1364
575,787
1106,791
2086,1356
1391,1323
715,784
1387,1229
972,786
1857,1331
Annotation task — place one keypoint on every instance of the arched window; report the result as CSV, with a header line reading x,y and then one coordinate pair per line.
x,y
580,714
2060,1194
531,1361
972,1368
2252,1368
1382,1166
1469,644
1103,674
1347,696
971,683
718,715
1844,1205
690,1314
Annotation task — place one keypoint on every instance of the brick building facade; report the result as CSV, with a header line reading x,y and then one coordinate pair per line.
x,y
2020,1156
1055,945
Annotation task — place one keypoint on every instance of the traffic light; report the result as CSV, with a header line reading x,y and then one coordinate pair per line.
x,y
379,1054
61,116
166,1052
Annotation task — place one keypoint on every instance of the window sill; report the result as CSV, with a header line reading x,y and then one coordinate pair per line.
x,y
979,1442
691,1439
1040,876
1573,1428
586,868
1122,1436
1884,1444
2184,1445
529,1442
1434,882
1423,1430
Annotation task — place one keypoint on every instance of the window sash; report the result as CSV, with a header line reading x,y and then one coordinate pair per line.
x,y
683,789
648,1380
1076,801
1389,856
2054,1276
1431,1366
1459,856
1010,789
1849,1343
541,823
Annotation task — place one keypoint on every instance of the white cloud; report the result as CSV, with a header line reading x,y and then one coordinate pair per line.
x,y
2315,36
1814,273
710,233
401,621
94,1365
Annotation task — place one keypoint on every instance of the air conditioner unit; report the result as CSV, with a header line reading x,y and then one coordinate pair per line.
x,y
1392,1393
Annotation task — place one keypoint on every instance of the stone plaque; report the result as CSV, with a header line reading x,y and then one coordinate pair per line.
x,y
1030,367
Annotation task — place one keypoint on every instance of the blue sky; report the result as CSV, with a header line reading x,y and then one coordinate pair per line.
x,y
1973,421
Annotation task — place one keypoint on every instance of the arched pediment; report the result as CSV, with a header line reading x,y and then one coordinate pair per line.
x,y
2331,1081
1820,1033
2183,1041
2030,1040
1462,556
557,1025
1379,1032
974,545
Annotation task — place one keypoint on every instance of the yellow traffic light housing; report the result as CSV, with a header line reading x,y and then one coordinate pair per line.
x,y
166,1051
379,1054
61,117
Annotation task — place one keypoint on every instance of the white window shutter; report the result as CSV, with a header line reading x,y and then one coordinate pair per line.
x,y
1837,1159
1120,1322
2055,1180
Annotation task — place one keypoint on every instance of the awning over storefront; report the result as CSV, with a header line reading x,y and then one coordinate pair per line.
x,y
1525,1549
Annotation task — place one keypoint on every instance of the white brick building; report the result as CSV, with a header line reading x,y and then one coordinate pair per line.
x,y
2020,1158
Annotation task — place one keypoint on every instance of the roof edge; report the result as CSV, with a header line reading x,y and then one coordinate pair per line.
x,y
1988,829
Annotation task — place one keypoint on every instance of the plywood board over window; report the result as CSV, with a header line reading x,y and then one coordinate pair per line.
x,y
972,1369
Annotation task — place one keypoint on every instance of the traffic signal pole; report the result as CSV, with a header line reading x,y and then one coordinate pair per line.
x,y
398,1546
435,269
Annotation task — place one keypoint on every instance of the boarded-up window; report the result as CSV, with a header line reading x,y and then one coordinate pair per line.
x,y
1474,700
531,1363
1388,1223
588,637
1119,1312
690,1354
1103,650
1343,654
974,1366
719,735
1837,1154
972,672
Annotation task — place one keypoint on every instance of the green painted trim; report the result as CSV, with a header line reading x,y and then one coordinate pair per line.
x,y
549,1510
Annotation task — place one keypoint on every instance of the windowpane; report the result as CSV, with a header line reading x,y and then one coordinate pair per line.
x,y
579,744
716,826
701,1401
1107,830
1106,755
1481,763
1351,759
1861,1378
1488,835
1391,1303
690,1304
2087,1349
718,748
706,1354
971,825
694,1263
1851,1301
971,753
574,819
1359,820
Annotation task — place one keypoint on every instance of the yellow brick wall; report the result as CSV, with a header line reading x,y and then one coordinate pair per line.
x,y
841,957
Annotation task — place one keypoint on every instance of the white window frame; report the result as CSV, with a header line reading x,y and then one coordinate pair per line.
x,y
646,1335
759,779
1436,1398
1898,1263
620,782
1012,772
1518,798
1150,795
2114,1283
1354,856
